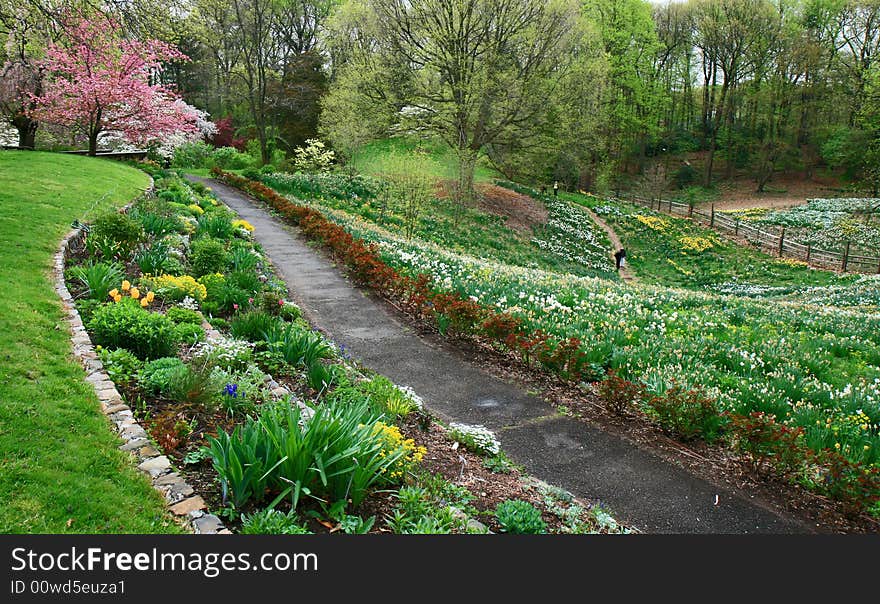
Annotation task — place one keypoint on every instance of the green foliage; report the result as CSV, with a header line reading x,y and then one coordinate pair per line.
x,y
388,398
208,255
189,333
114,235
151,260
126,325
272,522
192,155
520,517
337,455
215,225
228,158
687,413
156,376
179,315
422,510
99,277
298,346
253,325
120,364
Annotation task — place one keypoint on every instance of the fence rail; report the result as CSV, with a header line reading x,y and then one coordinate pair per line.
x,y
776,243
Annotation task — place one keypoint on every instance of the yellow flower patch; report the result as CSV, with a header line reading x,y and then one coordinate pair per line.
x,y
655,223
695,244
243,224
177,287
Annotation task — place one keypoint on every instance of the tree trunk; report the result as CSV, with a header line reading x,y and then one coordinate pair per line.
x,y
93,143
467,162
27,131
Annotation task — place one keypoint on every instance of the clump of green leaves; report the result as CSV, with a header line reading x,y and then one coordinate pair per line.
x,y
520,517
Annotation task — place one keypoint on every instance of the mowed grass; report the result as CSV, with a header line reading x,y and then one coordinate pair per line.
x,y
60,469
439,160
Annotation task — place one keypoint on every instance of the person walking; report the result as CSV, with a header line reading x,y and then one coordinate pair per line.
x,y
555,188
620,258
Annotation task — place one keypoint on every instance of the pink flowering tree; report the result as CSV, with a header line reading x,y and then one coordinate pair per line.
x,y
97,81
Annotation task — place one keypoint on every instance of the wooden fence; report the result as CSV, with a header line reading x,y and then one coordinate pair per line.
x,y
774,242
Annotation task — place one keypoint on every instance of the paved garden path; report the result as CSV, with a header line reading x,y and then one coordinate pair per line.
x,y
638,487
616,244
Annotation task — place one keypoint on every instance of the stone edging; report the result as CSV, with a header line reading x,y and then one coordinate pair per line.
x,y
181,498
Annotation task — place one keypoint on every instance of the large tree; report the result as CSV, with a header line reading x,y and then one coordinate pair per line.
x,y
97,81
471,71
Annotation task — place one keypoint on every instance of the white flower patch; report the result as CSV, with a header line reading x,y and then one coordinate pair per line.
x,y
475,437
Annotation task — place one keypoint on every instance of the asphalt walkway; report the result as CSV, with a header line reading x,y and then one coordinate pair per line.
x,y
638,487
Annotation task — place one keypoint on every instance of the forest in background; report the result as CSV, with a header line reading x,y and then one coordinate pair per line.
x,y
597,94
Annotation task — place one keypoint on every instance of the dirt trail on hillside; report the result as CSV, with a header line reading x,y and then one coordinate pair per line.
x,y
616,244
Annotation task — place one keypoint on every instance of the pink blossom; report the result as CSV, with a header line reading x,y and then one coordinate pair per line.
x,y
98,81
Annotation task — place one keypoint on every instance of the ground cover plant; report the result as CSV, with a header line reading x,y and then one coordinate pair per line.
x,y
328,452
68,476
705,361
826,224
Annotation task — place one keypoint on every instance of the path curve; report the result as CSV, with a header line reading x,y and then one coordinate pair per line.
x,y
641,489
625,273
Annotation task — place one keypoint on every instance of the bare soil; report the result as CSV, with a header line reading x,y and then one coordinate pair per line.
x,y
520,212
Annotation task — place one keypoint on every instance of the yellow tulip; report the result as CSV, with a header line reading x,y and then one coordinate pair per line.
x,y
144,303
117,297
135,293
126,285
150,296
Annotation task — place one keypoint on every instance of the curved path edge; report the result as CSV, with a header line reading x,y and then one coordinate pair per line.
x,y
641,489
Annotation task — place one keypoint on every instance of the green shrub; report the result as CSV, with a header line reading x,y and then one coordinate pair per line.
x,y
520,518
207,255
230,158
192,155
253,325
99,278
173,379
388,397
246,281
243,259
155,377
179,315
272,522
156,224
173,266
126,325
114,231
120,364
189,333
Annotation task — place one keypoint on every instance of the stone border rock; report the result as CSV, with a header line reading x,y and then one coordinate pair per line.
x,y
181,498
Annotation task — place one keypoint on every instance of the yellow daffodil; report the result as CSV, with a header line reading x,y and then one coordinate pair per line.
x,y
126,285
135,293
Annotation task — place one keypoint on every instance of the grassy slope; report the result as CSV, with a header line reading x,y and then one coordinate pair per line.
x,y
657,256
60,469
440,161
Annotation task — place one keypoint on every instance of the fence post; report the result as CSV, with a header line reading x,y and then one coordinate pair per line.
x,y
712,217
690,210
809,249
781,240
736,227
845,256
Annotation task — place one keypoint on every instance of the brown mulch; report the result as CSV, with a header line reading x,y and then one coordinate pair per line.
x,y
520,212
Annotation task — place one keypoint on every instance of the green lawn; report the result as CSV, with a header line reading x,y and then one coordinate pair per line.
x,y
439,159
60,469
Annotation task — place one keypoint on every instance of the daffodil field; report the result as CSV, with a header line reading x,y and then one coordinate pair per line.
x,y
812,369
